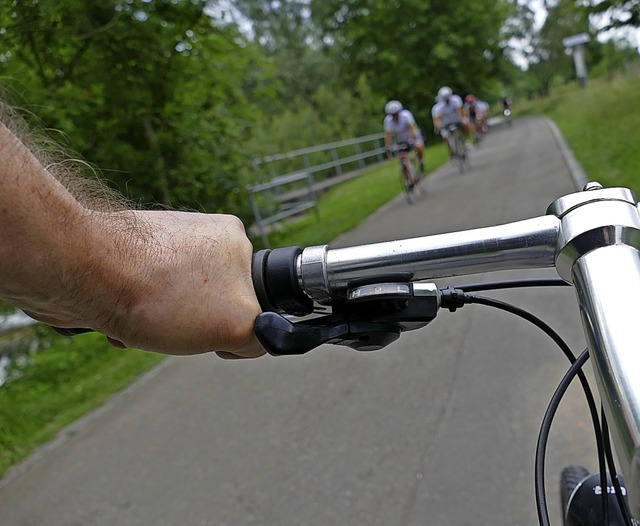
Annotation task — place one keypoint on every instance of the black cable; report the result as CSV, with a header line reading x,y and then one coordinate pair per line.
x,y
543,436
624,508
541,490
512,284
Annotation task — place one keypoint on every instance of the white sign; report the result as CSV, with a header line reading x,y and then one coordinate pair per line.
x,y
576,40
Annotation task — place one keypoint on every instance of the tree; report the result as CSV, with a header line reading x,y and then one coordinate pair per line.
x,y
618,13
315,104
408,49
157,92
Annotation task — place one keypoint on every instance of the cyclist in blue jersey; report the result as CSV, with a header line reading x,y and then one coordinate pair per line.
x,y
400,127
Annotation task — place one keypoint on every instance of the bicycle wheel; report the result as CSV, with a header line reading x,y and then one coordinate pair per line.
x,y
418,176
460,155
451,145
408,181
570,478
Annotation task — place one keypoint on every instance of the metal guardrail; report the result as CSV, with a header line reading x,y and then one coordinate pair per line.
x,y
288,207
332,147
290,194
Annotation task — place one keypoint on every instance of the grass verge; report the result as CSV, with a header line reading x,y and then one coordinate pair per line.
x,y
59,385
602,126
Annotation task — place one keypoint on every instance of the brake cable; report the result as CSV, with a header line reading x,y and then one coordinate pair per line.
x,y
454,298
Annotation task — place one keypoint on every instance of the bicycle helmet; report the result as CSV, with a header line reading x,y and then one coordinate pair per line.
x,y
444,93
392,107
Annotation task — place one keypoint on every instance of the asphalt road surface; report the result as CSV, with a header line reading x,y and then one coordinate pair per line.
x,y
438,429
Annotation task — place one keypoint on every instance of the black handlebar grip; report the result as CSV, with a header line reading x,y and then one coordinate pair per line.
x,y
275,280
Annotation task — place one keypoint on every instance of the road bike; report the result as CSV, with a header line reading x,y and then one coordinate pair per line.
x,y
506,112
365,297
457,147
507,116
409,170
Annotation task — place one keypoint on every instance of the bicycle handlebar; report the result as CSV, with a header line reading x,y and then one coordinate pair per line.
x,y
592,238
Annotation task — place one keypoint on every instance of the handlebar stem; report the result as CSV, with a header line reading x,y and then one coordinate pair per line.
x,y
598,252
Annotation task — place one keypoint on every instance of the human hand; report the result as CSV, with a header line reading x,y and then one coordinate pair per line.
x,y
198,293
179,284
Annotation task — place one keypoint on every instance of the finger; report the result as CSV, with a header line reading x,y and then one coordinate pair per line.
x,y
229,356
116,343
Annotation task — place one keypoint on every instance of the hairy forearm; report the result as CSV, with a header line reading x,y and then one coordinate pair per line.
x,y
172,282
51,245
40,221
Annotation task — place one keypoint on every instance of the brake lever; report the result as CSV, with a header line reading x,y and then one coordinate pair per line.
x,y
280,337
372,317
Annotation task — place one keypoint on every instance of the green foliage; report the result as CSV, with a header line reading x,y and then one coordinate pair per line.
x,y
156,93
610,58
600,127
619,13
408,49
549,65
59,385
172,99
327,116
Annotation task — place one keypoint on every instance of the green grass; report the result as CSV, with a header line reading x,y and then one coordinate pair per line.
x,y
345,206
58,386
602,125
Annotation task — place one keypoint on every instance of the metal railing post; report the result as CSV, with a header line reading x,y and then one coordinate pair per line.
x,y
258,216
336,160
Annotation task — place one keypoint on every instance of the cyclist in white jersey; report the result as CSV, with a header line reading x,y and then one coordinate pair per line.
x,y
482,114
475,113
447,110
400,127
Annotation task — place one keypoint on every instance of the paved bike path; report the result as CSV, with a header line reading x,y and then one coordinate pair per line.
x,y
437,429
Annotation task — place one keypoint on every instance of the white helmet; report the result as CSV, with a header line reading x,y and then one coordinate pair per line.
x,y
444,93
392,107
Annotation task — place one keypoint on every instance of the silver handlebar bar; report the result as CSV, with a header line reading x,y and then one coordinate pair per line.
x,y
593,240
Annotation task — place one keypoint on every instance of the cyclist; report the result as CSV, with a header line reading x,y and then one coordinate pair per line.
x,y
482,114
400,127
505,101
146,279
475,112
469,111
447,110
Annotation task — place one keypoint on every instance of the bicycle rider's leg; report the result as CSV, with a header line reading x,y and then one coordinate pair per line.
x,y
406,175
408,171
468,130
445,135
419,147
451,146
463,138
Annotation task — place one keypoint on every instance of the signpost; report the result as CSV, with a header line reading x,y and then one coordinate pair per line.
x,y
575,44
